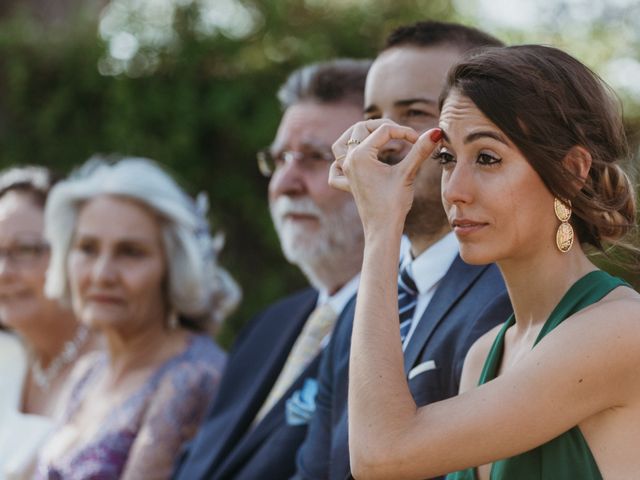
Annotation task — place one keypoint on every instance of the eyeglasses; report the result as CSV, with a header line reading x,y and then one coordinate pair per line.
x,y
24,254
310,160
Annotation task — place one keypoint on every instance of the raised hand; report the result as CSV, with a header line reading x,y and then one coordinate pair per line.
x,y
383,193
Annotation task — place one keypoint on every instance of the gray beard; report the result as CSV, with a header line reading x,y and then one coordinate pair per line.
x,y
328,257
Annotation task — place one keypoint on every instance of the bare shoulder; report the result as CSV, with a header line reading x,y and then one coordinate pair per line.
x,y
615,319
475,359
618,311
601,341
622,295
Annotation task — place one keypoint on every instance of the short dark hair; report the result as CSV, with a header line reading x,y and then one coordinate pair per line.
x,y
547,102
36,181
430,33
339,80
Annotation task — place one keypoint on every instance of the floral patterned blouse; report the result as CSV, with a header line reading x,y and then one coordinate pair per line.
x,y
141,437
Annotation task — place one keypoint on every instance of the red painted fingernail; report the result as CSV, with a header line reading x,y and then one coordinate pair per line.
x,y
436,135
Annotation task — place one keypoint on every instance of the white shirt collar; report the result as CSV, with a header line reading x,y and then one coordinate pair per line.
x,y
340,299
432,264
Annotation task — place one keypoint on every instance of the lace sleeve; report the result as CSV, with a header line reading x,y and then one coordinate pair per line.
x,y
173,416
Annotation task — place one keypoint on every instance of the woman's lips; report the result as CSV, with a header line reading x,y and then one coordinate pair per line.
x,y
109,299
463,226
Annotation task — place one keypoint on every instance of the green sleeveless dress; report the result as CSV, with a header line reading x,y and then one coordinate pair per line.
x,y
566,457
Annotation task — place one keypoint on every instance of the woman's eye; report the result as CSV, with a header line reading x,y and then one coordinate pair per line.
x,y
487,159
88,248
443,157
131,251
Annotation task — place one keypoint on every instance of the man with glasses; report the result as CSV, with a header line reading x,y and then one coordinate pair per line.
x,y
267,394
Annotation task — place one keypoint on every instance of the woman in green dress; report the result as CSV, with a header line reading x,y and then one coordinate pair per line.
x,y
529,143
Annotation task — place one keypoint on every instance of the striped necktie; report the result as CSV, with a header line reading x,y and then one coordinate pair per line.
x,y
407,299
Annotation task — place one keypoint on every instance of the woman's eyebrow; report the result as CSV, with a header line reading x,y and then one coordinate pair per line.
x,y
485,133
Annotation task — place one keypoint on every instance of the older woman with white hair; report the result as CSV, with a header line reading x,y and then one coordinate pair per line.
x,y
134,256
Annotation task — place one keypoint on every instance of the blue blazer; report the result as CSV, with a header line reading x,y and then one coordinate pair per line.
x,y
469,301
226,446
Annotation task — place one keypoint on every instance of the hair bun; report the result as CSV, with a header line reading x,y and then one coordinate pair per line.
x,y
618,197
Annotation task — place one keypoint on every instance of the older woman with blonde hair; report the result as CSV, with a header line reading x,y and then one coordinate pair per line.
x,y
133,254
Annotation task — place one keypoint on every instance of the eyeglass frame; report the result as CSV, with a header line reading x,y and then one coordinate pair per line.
x,y
31,252
268,163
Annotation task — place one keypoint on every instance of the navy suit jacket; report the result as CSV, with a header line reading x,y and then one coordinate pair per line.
x,y
468,302
227,446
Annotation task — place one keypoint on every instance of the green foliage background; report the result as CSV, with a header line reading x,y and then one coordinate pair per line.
x,y
203,110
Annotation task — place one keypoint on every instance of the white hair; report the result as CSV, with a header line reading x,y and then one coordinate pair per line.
x,y
198,288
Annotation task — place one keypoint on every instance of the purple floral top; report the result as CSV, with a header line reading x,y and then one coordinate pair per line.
x,y
142,436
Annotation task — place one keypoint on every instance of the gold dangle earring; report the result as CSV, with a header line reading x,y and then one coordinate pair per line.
x,y
564,235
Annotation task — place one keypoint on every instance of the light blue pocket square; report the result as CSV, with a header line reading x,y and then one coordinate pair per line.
x,y
301,405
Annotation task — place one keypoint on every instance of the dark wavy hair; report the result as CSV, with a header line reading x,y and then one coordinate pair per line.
x,y
547,102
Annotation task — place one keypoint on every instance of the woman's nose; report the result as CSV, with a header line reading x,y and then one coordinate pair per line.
x,y
457,184
104,270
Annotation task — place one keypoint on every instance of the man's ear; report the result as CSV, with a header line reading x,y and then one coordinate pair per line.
x,y
577,161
